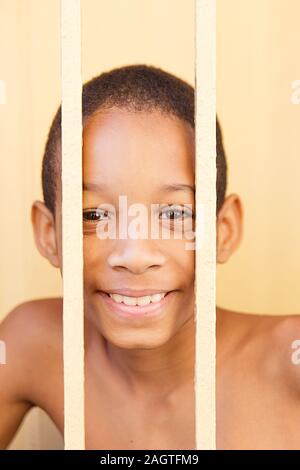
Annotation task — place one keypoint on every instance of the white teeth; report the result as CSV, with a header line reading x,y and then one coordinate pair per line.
x,y
117,298
157,297
129,300
145,300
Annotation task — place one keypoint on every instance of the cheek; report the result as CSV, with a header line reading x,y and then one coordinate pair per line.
x,y
182,260
187,261
93,252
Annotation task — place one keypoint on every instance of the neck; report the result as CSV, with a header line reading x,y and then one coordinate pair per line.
x,y
160,371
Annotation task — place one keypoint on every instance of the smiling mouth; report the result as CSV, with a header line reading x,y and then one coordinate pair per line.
x,y
137,305
137,301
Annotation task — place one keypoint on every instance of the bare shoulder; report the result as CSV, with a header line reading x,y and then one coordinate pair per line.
x,y
286,340
32,337
32,334
33,322
278,327
274,340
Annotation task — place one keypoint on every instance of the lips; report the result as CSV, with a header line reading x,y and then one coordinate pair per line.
x,y
136,292
149,310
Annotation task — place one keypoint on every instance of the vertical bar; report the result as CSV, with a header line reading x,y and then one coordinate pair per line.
x,y
73,320
205,256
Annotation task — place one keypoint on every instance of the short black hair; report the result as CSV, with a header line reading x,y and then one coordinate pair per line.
x,y
136,88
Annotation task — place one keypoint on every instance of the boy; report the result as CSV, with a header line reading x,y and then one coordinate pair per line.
x,y
138,141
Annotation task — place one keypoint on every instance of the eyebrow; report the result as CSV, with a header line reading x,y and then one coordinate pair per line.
x,y
170,188
167,188
95,187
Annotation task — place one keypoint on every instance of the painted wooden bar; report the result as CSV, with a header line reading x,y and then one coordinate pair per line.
x,y
73,319
205,256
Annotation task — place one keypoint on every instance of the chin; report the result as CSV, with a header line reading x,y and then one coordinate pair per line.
x,y
137,340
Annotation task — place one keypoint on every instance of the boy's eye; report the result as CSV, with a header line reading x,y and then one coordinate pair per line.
x,y
170,213
176,212
95,215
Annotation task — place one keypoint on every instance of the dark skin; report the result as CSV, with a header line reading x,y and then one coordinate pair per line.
x,y
140,372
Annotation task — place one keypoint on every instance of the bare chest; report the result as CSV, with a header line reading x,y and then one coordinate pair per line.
x,y
256,413
113,422
253,411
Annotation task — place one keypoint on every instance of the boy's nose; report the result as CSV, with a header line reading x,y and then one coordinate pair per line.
x,y
136,256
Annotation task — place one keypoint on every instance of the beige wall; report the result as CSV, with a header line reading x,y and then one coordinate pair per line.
x,y
258,50
30,67
257,62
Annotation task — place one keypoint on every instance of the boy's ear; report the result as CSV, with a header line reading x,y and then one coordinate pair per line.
x,y
44,232
229,227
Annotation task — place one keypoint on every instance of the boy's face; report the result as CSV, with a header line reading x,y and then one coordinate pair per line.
x,y
136,155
